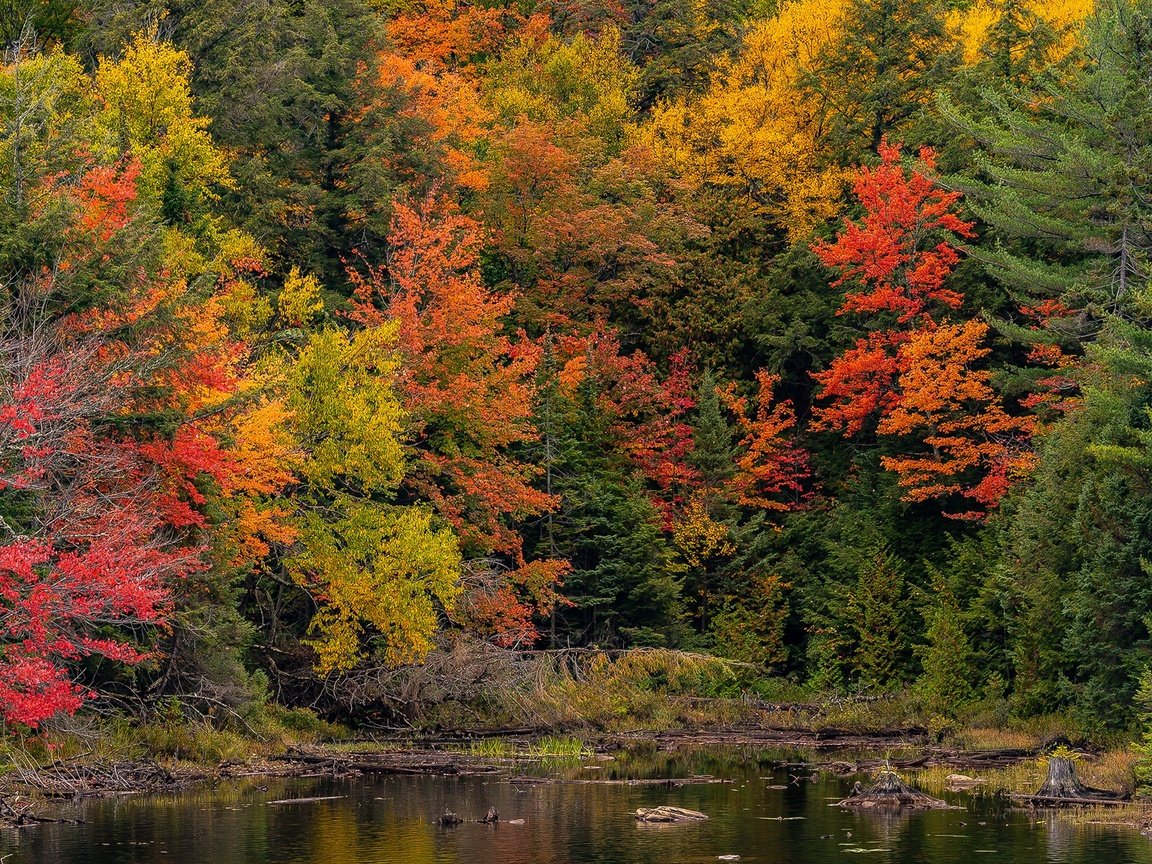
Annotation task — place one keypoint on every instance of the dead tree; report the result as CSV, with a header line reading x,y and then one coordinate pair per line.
x,y
1062,786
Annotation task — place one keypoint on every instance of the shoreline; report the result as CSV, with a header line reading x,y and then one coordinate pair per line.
x,y
30,792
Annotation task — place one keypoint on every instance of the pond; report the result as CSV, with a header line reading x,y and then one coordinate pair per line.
x,y
392,820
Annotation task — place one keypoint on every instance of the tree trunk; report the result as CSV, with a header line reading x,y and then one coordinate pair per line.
x,y
1062,784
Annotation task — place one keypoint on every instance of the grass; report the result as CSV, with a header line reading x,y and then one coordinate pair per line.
x,y
173,741
493,748
550,747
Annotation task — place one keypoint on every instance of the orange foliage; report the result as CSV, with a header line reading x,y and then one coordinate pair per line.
x,y
448,34
771,469
976,448
468,388
913,375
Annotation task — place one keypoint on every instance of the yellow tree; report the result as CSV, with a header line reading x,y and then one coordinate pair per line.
x,y
755,129
379,571
147,111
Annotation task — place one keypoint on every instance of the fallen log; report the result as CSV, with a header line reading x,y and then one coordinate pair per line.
x,y
387,764
312,800
1045,801
17,814
671,783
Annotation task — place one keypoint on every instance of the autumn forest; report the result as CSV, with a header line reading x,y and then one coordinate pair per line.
x,y
384,358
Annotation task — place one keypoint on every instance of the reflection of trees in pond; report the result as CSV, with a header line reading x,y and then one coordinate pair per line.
x,y
888,828
1060,834
391,820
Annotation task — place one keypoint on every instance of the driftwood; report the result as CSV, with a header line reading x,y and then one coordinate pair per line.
x,y
1062,787
671,783
890,792
312,800
669,814
392,763
968,760
64,779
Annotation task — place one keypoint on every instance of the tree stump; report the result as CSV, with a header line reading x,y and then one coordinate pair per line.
x,y
669,814
1062,785
890,792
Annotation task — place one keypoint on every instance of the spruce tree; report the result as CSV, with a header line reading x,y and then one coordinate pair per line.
x,y
290,88
1062,181
624,585
877,78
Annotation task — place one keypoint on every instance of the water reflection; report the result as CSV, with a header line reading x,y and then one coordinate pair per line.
x,y
393,821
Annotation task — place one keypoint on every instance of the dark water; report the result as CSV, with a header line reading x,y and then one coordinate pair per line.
x,y
391,821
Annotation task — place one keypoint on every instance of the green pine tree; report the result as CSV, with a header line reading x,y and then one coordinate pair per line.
x,y
1062,176
881,74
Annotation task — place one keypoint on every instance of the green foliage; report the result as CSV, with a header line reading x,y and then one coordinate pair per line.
x,y
282,83
1143,766
623,587
947,658
877,78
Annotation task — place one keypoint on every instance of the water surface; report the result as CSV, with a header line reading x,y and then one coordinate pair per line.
x,y
392,820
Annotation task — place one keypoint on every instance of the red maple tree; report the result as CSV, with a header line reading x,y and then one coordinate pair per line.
x,y
913,375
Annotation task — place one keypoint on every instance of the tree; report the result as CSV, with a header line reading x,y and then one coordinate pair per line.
x,y
912,374
289,88
1060,184
947,657
955,411
755,130
876,607
468,390
622,587
880,74
380,572
771,471
104,458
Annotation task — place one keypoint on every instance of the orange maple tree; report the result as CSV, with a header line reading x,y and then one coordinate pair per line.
x,y
771,469
976,448
913,376
468,389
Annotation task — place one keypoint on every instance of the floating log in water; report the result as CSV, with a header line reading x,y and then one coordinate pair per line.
x,y
307,800
15,813
1062,787
669,814
524,780
891,792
